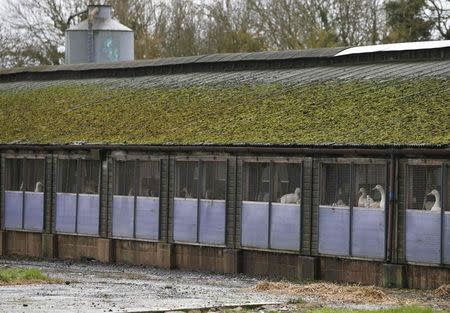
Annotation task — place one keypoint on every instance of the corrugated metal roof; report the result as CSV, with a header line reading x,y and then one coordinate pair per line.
x,y
300,76
321,105
327,53
404,46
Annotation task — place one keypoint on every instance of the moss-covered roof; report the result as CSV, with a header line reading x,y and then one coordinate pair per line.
x,y
355,111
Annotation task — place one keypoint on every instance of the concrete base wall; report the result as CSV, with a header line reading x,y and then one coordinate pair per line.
x,y
212,259
22,244
143,253
351,271
280,265
426,277
223,260
270,264
79,247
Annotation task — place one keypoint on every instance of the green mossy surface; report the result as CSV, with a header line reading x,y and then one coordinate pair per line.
x,y
356,112
22,275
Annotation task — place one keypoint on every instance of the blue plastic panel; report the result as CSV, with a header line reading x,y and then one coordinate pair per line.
x,y
255,222
185,220
334,230
285,228
88,214
13,209
212,222
368,232
34,211
66,204
423,232
122,216
147,218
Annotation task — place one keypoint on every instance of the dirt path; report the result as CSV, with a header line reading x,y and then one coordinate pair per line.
x,y
94,287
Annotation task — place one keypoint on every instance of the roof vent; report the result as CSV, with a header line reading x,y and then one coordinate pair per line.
x,y
99,38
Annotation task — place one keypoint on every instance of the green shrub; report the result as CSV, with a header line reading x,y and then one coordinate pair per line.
x,y
22,275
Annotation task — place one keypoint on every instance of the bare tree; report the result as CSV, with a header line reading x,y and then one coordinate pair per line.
x,y
39,26
33,31
357,21
229,28
440,15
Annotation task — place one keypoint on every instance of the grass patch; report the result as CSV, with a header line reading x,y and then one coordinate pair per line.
x,y
404,309
18,276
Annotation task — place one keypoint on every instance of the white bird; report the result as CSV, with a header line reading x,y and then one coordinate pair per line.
x,y
185,193
362,197
364,200
340,196
39,187
291,197
382,202
437,203
340,202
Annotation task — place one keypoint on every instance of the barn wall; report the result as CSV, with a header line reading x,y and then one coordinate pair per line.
x,y
230,258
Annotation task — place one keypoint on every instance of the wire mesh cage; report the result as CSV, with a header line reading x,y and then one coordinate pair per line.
x,y
370,181
200,217
424,187
214,177
271,205
187,174
89,176
212,207
256,181
336,185
446,221
148,179
77,198
136,199
368,219
24,193
349,222
124,178
426,224
14,174
286,183
67,176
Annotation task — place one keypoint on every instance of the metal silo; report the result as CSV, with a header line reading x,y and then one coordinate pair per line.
x,y
99,39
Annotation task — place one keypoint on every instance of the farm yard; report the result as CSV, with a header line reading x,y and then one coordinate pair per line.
x,y
95,287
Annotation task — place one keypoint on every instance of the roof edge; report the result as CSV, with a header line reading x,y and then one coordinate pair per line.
x,y
331,148
233,61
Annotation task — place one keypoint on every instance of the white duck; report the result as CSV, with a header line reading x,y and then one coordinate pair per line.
x,y
291,197
340,196
364,200
437,203
382,202
39,187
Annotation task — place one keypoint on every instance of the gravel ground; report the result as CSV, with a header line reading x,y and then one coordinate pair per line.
x,y
93,287
96,287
